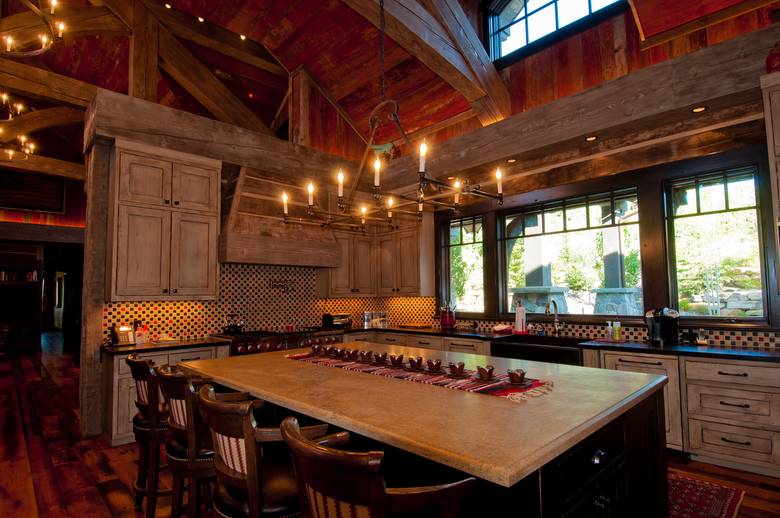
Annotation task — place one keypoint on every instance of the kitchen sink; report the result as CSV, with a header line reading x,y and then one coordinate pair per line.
x,y
551,349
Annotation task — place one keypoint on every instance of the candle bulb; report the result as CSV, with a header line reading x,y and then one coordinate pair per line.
x,y
284,203
363,211
457,192
310,188
390,207
377,167
53,5
423,151
498,180
44,40
8,43
60,28
341,184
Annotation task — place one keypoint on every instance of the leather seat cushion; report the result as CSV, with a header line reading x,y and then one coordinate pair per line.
x,y
140,422
280,493
177,449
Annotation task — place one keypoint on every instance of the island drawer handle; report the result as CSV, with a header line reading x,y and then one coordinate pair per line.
x,y
621,360
190,359
740,374
390,339
423,343
738,405
741,443
598,457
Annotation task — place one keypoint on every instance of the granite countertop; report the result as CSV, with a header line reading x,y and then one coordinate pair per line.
x,y
731,353
434,331
488,437
163,346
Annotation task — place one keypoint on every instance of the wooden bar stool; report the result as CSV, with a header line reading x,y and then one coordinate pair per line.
x,y
334,482
254,470
150,427
189,451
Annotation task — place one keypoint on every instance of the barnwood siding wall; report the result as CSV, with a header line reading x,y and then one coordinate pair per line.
x,y
602,53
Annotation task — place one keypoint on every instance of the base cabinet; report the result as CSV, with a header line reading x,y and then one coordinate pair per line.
x,y
459,345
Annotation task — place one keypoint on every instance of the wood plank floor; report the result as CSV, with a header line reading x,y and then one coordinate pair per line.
x,y
48,470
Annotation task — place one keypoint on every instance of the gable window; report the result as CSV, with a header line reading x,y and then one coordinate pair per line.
x,y
466,265
715,245
515,24
582,252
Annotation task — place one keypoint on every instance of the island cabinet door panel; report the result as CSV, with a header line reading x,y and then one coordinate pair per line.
x,y
363,266
143,251
125,407
144,180
386,263
341,277
408,276
193,255
195,188
662,366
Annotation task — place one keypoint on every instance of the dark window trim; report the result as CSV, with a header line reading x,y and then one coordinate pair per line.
x,y
547,41
650,184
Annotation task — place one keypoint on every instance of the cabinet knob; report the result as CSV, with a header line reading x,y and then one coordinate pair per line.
x,y
165,290
175,290
167,202
176,203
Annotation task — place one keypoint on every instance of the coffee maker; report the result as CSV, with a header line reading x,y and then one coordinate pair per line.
x,y
663,326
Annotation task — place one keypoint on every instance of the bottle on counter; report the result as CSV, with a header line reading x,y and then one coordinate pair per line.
x,y
609,330
616,331
521,326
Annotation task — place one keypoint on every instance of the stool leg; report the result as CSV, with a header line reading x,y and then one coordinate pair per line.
x,y
178,496
207,488
140,482
153,480
192,497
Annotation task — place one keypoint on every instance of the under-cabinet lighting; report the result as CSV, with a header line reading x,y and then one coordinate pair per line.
x,y
699,109
200,19
591,138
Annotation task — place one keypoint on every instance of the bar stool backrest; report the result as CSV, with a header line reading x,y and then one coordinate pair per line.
x,y
184,419
147,388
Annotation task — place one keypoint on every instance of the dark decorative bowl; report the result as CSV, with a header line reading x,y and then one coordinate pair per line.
x,y
434,366
485,373
416,364
457,370
397,360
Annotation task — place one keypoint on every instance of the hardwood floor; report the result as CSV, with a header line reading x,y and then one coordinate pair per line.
x,y
47,470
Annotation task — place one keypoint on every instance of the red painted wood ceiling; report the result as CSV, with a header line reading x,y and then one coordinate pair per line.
x,y
338,46
658,16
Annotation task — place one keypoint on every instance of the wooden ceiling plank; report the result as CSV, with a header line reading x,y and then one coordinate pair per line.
x,y
214,37
48,166
336,106
198,80
79,21
728,69
144,76
700,23
122,9
37,120
454,19
418,32
433,128
282,113
39,83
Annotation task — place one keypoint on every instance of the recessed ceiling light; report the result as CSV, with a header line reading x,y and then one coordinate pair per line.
x,y
511,161
251,95
450,178
167,6
699,109
242,37
200,19
591,138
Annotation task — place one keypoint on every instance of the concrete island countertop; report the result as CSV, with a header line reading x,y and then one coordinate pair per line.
x,y
486,436
163,346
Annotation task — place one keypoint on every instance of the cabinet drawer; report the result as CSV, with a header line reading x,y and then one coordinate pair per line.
x,y
747,406
158,359
739,443
458,345
733,373
425,342
188,356
359,337
389,338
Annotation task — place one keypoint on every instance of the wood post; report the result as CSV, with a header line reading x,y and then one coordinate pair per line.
x,y
143,77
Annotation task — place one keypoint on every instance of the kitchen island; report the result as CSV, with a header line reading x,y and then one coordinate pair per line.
x,y
595,441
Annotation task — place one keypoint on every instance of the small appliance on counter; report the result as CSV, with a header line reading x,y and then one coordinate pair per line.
x,y
663,326
336,321
375,319
122,335
232,324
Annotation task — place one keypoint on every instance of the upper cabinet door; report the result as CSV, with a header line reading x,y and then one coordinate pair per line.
x,y
144,180
386,260
341,278
193,255
195,188
363,266
408,261
143,252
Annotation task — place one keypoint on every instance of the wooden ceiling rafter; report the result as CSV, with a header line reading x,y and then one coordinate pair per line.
x,y
143,76
48,166
79,20
38,83
122,9
38,120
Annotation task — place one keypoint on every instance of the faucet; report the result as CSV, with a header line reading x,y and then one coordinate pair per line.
x,y
557,325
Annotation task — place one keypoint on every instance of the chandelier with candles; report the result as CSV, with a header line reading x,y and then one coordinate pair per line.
x,y
430,191
18,147
19,44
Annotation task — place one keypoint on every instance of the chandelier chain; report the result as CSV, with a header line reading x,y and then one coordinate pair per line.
x,y
382,49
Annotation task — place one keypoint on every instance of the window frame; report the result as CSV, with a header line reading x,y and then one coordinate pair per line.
x,y
488,8
650,184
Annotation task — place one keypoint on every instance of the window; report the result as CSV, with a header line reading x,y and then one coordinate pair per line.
x,y
466,265
582,252
514,24
715,245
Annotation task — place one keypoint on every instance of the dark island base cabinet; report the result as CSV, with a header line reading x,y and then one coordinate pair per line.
x,y
617,472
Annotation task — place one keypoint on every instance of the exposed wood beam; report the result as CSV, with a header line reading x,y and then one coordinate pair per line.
x,y
80,20
697,24
422,36
433,128
35,232
451,15
143,77
37,120
216,38
38,83
122,9
724,73
198,80
300,120
48,166
282,112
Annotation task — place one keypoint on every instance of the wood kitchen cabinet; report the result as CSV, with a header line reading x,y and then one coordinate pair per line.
x,y
163,225
460,345
398,260
355,276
